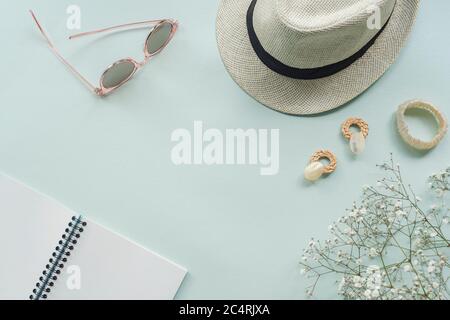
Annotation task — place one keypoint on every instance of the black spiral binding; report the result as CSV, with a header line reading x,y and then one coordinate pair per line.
x,y
56,263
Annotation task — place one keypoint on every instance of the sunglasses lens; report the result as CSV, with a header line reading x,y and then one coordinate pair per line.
x,y
118,74
159,37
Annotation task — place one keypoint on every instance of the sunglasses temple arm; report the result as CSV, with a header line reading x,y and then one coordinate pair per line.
x,y
61,58
122,26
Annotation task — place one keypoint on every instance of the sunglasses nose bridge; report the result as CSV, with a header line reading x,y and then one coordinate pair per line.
x,y
141,64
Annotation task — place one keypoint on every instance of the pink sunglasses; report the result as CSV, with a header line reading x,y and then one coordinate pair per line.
x,y
123,70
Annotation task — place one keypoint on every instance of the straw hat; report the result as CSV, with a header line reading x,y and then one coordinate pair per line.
x,y
310,56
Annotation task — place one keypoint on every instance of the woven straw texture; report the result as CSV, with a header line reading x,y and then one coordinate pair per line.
x,y
357,122
303,97
325,154
404,130
323,33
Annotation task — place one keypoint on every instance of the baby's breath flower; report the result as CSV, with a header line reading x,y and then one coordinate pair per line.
x,y
404,243
373,252
431,266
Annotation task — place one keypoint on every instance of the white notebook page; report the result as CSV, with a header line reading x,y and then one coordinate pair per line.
x,y
31,228
114,268
102,265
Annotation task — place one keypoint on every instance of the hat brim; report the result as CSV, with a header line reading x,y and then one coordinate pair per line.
x,y
306,97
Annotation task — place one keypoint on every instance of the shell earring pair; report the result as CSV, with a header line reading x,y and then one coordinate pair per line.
x,y
316,169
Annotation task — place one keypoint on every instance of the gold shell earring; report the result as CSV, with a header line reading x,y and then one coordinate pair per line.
x,y
316,169
357,139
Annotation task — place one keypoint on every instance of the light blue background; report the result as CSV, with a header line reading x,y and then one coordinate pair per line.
x,y
239,234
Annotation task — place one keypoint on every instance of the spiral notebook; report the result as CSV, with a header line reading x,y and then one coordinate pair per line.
x,y
48,252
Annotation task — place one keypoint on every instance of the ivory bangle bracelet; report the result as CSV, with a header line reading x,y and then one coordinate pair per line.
x,y
404,130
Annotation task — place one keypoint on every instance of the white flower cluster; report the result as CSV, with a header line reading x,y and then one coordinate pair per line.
x,y
388,247
367,285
